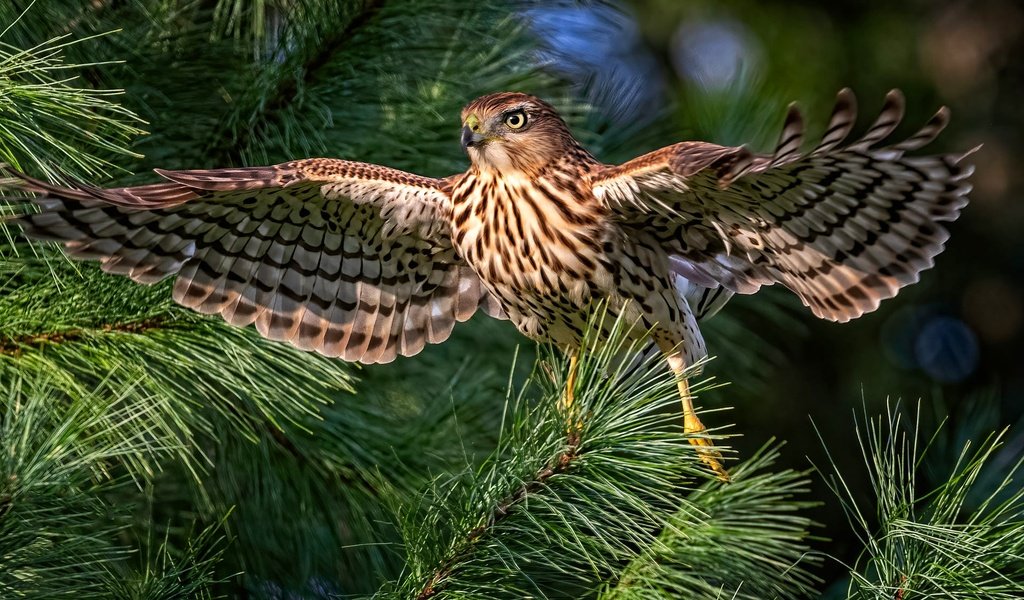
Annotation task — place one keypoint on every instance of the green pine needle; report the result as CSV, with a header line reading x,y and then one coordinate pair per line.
x,y
932,544
572,496
43,113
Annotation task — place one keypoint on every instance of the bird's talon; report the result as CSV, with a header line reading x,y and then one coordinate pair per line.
x,y
710,456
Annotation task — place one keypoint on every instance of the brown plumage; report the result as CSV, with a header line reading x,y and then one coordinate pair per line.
x,y
366,262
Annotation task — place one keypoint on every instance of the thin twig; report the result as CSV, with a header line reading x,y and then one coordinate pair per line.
x,y
287,87
560,464
14,346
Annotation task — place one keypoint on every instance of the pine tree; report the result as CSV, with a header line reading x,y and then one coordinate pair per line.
x,y
149,452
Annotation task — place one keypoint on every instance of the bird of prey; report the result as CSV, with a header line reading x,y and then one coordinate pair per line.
x,y
366,262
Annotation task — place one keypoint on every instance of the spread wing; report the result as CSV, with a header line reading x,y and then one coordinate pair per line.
x,y
843,226
343,258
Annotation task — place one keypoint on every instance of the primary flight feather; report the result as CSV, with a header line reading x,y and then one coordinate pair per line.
x,y
367,262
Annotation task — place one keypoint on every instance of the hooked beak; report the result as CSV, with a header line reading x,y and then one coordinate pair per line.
x,y
471,138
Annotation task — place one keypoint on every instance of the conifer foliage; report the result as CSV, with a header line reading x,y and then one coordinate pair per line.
x,y
147,452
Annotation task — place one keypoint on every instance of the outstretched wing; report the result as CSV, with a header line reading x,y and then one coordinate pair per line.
x,y
843,226
343,258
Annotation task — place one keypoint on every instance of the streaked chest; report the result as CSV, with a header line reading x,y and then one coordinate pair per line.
x,y
545,236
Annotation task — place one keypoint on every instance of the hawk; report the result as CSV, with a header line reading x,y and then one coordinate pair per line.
x,y
366,262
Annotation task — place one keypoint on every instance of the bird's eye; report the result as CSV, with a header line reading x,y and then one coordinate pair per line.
x,y
515,120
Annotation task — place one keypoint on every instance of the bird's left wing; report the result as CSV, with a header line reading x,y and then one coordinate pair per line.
x,y
843,226
344,258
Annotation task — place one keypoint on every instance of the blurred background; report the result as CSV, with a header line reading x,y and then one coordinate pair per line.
x,y
723,70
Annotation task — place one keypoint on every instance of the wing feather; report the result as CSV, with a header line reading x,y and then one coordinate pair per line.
x,y
844,227
342,258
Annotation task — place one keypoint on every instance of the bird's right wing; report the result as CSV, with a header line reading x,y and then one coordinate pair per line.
x,y
343,258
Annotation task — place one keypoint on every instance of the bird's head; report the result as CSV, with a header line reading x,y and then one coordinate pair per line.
x,y
510,131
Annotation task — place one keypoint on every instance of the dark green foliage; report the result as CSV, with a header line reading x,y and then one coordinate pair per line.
x,y
59,538
747,540
603,497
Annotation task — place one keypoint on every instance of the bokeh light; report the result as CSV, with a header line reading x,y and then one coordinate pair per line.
x,y
598,47
714,55
946,349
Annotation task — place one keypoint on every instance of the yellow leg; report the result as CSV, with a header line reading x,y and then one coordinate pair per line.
x,y
570,380
691,424
574,424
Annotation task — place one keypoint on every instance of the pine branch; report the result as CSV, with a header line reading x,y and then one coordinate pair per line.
x,y
931,544
292,75
15,346
165,573
57,536
560,465
747,540
557,515
44,115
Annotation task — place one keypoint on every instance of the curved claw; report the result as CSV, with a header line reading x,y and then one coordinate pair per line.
x,y
709,455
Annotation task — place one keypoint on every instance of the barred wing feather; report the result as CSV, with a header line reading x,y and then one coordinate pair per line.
x,y
843,226
342,258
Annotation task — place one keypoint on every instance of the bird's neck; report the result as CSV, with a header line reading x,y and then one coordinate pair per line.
x,y
497,161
